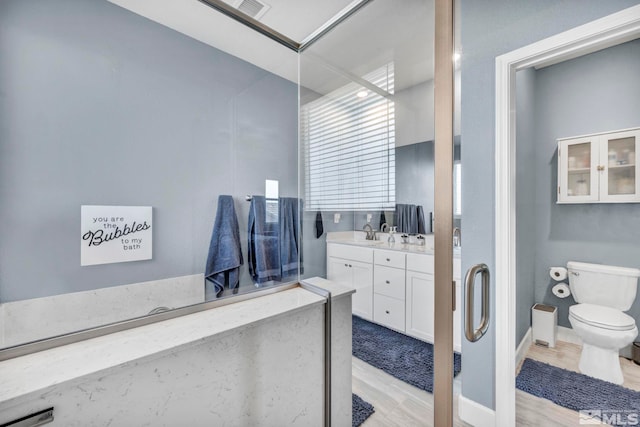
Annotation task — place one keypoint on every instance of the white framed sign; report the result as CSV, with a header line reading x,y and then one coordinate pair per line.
x,y
115,234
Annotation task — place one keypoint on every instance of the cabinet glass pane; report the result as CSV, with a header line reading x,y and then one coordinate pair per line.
x,y
622,167
579,168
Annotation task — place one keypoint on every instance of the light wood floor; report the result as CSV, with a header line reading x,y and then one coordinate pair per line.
x,y
398,404
533,411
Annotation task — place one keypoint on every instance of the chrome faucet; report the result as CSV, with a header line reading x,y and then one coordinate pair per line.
x,y
457,238
371,234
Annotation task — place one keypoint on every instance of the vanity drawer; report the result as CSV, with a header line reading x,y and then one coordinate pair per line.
x,y
389,281
350,252
388,312
389,258
420,263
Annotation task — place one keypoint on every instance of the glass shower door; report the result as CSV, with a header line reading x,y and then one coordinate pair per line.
x,y
370,146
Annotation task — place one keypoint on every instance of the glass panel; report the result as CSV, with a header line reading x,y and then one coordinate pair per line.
x,y
621,166
367,168
579,169
87,119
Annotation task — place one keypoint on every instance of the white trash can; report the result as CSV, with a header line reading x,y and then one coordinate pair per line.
x,y
544,321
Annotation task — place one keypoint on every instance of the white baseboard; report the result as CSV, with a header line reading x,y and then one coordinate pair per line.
x,y
568,335
523,347
475,414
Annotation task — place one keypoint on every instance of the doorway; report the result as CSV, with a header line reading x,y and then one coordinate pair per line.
x,y
609,31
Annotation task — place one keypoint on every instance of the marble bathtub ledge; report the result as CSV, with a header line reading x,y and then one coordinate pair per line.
x,y
337,290
36,374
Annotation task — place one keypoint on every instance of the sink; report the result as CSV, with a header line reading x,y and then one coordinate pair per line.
x,y
369,242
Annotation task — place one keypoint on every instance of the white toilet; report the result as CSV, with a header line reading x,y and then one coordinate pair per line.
x,y
602,292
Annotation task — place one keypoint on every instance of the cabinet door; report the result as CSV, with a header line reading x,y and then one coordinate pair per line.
x,y
362,275
618,172
419,305
338,271
358,275
577,170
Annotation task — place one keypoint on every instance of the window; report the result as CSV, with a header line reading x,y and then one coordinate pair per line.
x,y
349,143
457,189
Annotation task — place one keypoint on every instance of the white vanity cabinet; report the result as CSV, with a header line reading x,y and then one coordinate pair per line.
x,y
389,289
393,288
353,266
420,299
599,168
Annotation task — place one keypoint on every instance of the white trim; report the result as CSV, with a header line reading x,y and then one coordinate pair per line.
x,y
568,335
475,414
608,31
523,347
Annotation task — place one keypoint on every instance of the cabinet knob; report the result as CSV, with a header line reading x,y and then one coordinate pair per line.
x,y
346,265
386,311
600,167
350,265
388,282
388,259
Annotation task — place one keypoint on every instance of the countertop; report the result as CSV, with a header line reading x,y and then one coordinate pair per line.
x,y
357,238
35,373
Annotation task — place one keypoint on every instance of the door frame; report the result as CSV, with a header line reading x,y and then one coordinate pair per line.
x,y
596,35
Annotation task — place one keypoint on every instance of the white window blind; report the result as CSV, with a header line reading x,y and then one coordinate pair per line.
x,y
349,144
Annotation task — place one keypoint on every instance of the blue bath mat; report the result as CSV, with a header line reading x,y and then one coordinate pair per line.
x,y
578,392
402,356
361,410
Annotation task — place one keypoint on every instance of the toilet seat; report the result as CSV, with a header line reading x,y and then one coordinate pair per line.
x,y
602,317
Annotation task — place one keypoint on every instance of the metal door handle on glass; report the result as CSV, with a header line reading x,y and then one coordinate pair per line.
x,y
474,334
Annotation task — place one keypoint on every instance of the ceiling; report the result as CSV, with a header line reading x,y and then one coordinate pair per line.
x,y
381,32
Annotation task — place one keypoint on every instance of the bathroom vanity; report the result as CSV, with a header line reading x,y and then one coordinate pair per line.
x,y
394,283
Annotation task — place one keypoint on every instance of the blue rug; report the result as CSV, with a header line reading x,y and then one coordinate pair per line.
x,y
576,391
361,410
402,356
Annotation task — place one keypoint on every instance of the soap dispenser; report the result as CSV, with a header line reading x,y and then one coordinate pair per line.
x,y
392,231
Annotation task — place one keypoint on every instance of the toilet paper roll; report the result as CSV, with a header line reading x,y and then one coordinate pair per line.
x,y
558,273
561,290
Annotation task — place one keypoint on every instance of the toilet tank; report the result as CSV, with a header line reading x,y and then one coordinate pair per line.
x,y
603,284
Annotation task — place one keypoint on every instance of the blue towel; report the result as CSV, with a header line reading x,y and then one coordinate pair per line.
x,y
225,254
319,226
407,218
421,221
264,247
383,220
290,237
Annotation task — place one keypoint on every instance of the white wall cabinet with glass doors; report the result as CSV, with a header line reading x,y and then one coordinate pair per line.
x,y
599,168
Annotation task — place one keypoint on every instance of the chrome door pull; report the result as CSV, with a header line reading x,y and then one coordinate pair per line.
x,y
472,334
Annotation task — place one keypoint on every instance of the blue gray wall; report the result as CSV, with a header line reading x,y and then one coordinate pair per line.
x,y
101,106
414,175
488,29
599,92
526,199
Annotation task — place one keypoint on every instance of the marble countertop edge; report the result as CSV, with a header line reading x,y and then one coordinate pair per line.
x,y
337,290
33,374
